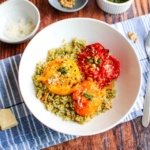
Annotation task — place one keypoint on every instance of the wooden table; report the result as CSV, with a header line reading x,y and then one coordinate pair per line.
x,y
126,136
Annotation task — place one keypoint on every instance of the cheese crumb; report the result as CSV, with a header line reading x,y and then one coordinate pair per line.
x,y
7,119
133,37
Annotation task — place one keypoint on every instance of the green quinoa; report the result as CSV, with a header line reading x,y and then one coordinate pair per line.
x,y
62,105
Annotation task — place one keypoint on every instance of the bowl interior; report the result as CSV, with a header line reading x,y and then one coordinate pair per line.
x,y
127,85
13,11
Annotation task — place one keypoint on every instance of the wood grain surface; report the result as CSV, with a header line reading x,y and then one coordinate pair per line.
x,y
127,136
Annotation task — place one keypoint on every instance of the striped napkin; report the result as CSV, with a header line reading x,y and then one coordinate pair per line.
x,y
30,133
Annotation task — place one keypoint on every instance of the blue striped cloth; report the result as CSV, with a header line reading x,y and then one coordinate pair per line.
x,y
30,133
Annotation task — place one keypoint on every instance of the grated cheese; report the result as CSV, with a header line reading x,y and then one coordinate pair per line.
x,y
19,29
133,37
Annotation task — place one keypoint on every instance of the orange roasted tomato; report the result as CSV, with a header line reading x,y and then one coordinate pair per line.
x,y
61,76
88,97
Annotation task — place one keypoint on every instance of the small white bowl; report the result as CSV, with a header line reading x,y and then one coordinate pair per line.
x,y
19,21
114,8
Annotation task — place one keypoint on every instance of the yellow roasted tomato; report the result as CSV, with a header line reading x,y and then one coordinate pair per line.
x,y
61,76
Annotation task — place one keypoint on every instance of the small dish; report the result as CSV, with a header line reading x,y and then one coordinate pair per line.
x,y
114,8
19,21
79,4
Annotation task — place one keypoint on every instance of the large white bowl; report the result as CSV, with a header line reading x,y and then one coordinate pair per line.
x,y
15,15
127,85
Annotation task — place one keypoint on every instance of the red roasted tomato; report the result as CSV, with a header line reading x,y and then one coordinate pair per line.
x,y
95,62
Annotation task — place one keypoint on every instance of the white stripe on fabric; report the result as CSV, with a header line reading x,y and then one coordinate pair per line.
x,y
47,139
30,127
17,128
39,140
146,22
6,133
118,26
5,87
137,46
16,112
138,105
17,68
52,138
12,138
1,101
20,124
26,110
13,98
145,65
10,60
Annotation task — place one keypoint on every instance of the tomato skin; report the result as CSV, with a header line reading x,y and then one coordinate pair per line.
x,y
61,76
84,106
94,51
95,62
110,70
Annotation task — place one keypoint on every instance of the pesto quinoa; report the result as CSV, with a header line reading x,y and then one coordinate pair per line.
x,y
62,105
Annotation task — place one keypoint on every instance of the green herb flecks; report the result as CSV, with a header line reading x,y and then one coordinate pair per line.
x,y
63,70
99,62
88,96
91,60
111,93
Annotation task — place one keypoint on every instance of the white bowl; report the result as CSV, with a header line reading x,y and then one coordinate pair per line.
x,y
127,85
114,8
19,21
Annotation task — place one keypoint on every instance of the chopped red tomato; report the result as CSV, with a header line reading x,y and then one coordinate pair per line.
x,y
95,62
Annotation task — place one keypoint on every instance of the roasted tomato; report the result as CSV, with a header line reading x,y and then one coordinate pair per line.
x,y
110,70
95,62
87,98
61,76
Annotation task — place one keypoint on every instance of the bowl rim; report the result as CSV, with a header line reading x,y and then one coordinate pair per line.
x,y
117,4
15,41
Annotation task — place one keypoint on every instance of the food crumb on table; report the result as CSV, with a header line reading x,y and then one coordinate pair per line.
x,y
133,37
